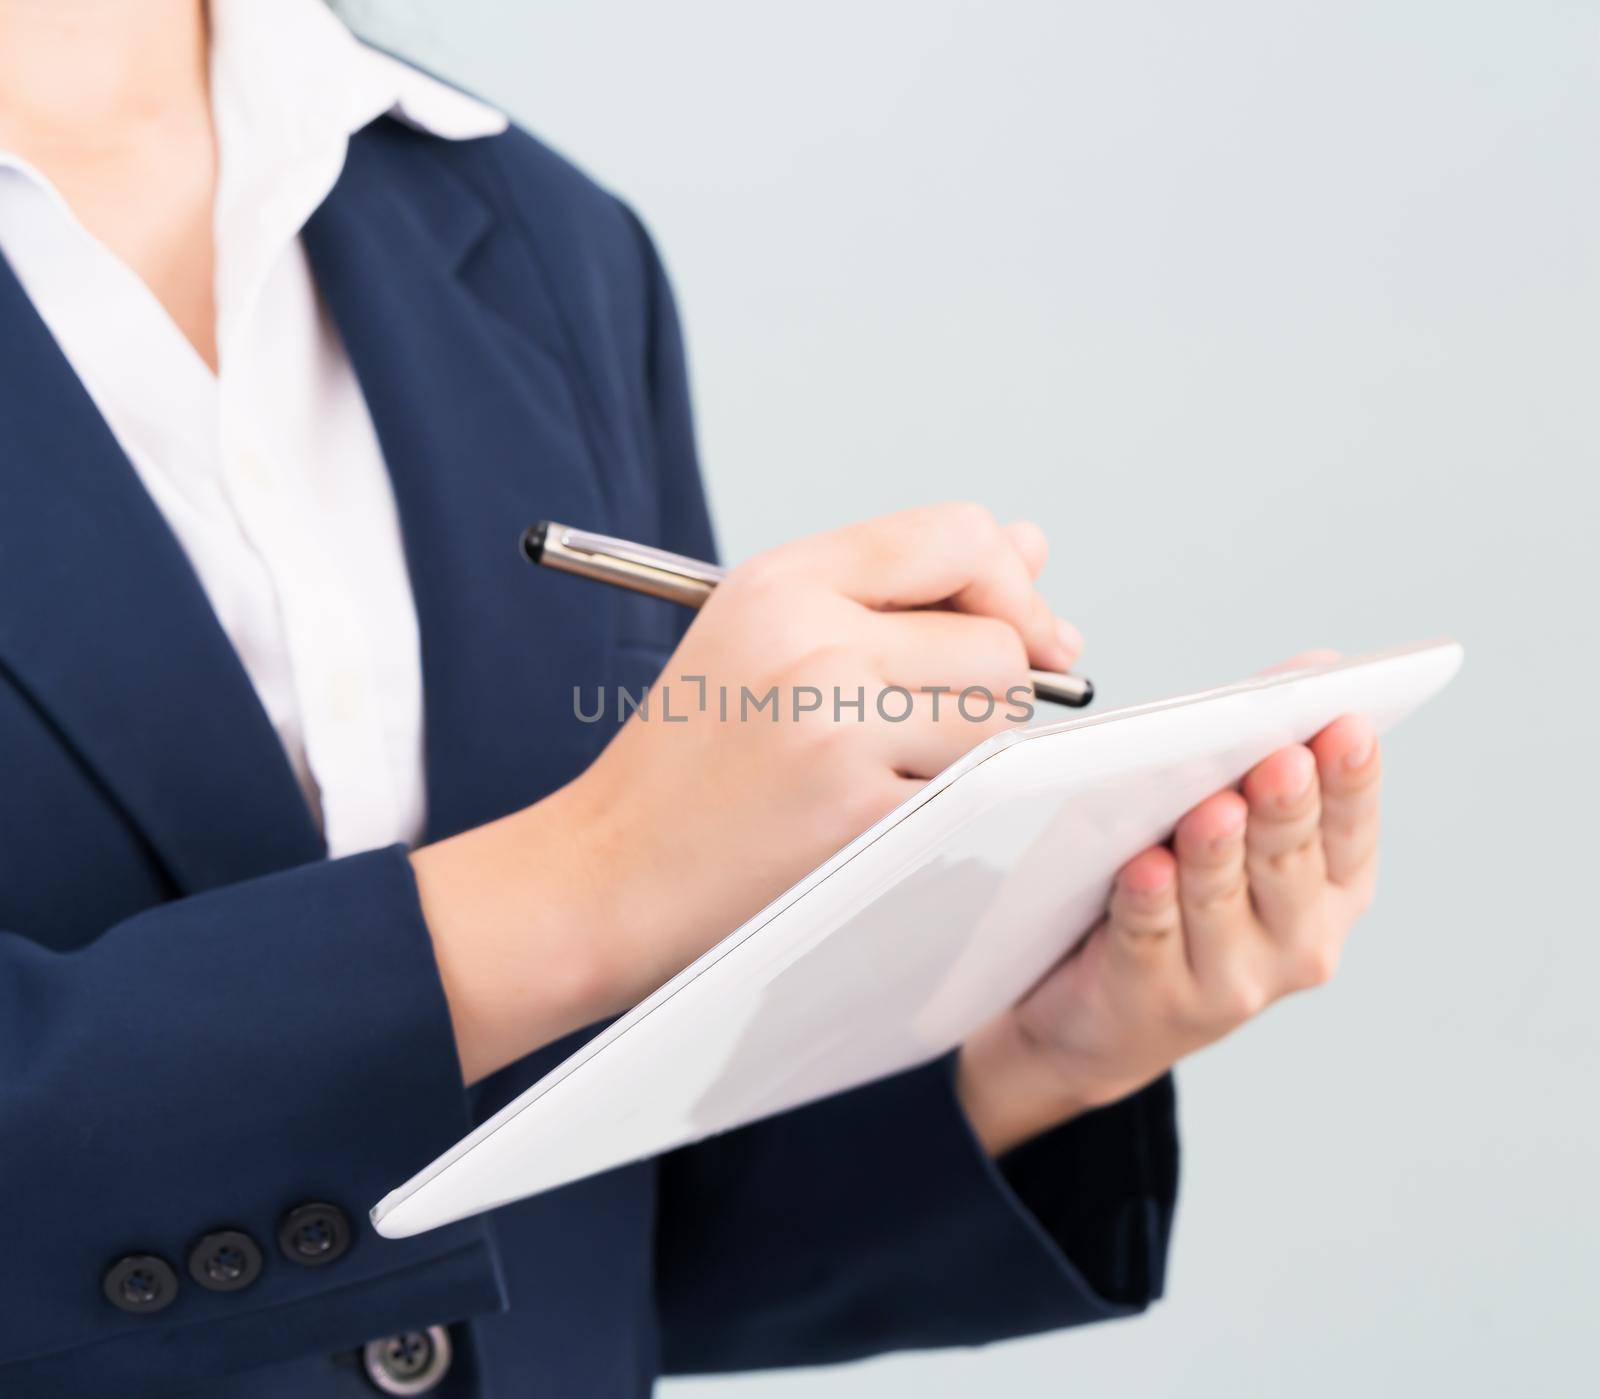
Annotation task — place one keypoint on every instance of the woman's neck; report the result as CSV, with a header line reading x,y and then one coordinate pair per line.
x,y
88,75
110,101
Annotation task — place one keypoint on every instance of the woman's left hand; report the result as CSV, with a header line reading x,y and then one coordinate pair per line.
x,y
1252,900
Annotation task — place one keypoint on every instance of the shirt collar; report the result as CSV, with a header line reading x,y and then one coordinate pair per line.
x,y
290,85
307,76
292,68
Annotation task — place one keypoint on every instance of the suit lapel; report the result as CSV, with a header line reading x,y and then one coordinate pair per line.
x,y
460,355
104,624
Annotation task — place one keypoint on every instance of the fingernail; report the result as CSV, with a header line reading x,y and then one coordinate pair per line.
x,y
1230,836
1155,888
1143,882
1300,784
1071,638
1361,754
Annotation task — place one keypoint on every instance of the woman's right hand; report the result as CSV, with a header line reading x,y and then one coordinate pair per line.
x,y
578,906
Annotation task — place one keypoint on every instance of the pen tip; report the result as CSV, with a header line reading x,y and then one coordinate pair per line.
x,y
533,541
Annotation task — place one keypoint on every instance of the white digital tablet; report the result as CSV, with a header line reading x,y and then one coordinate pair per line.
x,y
908,939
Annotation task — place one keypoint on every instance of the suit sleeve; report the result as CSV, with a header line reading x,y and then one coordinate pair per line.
x,y
216,1063
875,1221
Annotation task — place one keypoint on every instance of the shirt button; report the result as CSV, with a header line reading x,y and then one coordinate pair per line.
x,y
346,697
255,469
412,1362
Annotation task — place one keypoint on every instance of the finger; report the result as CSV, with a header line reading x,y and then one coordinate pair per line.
x,y
1303,661
920,650
1350,771
1070,638
1005,590
945,684
875,800
1029,541
1219,924
1143,928
922,733
1283,844
953,555
912,558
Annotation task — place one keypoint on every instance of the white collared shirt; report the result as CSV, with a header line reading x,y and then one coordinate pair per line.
x,y
269,472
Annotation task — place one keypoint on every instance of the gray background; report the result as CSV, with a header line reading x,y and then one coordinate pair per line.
x,y
1281,317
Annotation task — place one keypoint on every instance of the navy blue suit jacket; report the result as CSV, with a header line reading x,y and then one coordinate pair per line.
x,y
205,1022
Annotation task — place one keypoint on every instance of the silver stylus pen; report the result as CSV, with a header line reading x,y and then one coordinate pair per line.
x,y
644,569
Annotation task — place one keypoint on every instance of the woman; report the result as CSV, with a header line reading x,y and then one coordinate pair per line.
x,y
307,865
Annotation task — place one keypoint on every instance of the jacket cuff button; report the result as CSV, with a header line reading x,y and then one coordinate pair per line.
x,y
226,1261
140,1283
411,1363
313,1235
